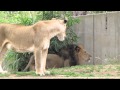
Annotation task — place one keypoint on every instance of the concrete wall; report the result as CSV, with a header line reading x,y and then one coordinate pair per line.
x,y
100,35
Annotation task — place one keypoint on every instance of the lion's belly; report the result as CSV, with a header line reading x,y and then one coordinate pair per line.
x,y
31,49
19,49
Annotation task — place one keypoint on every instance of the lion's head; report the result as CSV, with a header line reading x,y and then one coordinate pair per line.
x,y
62,28
76,54
81,55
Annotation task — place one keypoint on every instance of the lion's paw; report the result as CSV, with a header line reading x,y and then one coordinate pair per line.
x,y
40,73
3,72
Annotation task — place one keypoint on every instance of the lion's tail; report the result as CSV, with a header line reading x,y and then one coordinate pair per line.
x,y
29,63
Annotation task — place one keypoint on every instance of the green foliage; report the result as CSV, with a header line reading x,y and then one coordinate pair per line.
x,y
47,15
15,61
10,61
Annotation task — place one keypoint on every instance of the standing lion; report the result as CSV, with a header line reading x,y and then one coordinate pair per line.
x,y
34,38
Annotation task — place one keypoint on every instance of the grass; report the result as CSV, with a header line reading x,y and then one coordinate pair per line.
x,y
4,75
75,71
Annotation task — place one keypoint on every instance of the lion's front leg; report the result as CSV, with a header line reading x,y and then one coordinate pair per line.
x,y
2,53
44,54
38,62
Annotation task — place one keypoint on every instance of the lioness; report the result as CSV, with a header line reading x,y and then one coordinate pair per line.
x,y
67,56
34,38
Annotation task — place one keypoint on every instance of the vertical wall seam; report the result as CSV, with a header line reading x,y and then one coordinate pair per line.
x,y
93,43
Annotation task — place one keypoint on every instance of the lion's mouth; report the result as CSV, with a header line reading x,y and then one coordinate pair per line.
x,y
88,60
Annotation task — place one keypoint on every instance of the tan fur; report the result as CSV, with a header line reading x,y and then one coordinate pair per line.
x,y
34,38
55,61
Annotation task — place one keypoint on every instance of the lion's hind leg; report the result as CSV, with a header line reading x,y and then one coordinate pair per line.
x,y
2,53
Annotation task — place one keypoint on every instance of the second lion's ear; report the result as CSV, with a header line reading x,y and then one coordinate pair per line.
x,y
77,49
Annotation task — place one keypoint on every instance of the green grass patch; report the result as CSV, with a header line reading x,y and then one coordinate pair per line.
x,y
75,71
4,75
31,73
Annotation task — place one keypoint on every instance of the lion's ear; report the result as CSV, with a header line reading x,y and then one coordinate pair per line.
x,y
65,21
77,49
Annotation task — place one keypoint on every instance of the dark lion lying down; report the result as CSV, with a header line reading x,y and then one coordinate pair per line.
x,y
67,56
